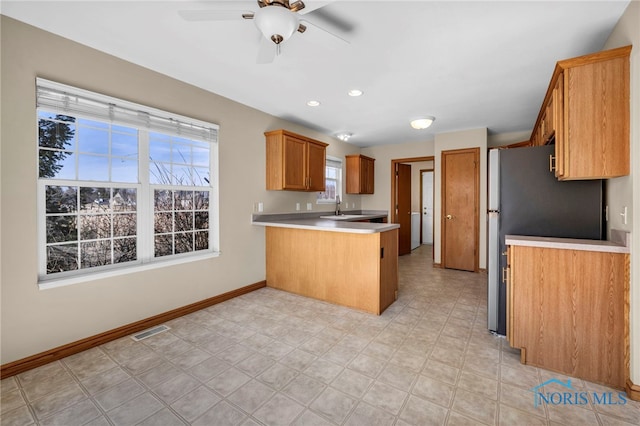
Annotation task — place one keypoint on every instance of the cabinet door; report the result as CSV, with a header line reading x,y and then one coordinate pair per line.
x,y
316,167
367,176
597,120
549,121
360,174
354,179
388,268
542,133
541,294
558,119
294,164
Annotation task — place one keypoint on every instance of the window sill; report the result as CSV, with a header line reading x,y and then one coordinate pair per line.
x,y
47,284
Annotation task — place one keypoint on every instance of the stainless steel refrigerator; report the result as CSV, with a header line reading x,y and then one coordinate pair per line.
x,y
525,198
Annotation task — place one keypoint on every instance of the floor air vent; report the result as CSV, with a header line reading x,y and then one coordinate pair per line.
x,y
150,332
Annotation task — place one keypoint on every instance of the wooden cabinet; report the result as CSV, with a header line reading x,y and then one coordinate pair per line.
x,y
586,114
568,311
360,174
295,162
349,269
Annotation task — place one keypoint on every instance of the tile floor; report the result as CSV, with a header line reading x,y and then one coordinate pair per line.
x,y
272,358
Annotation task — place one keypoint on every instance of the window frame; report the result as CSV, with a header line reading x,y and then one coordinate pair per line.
x,y
339,180
145,256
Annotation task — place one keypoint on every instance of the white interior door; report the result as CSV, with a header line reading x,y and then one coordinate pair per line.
x,y
427,207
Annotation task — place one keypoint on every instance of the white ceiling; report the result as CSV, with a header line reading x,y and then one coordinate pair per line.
x,y
470,64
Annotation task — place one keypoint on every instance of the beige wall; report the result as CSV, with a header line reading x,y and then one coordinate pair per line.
x,y
381,199
503,139
625,191
35,320
459,140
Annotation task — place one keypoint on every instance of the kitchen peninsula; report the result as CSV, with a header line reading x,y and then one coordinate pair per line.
x,y
347,262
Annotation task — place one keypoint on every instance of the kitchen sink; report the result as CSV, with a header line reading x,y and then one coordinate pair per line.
x,y
344,217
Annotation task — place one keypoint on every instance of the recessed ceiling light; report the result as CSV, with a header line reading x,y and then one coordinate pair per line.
x,y
422,123
313,103
344,136
355,92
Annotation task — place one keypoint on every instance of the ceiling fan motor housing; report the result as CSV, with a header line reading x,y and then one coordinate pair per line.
x,y
294,7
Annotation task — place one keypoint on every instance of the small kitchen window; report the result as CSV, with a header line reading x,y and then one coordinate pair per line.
x,y
333,181
120,185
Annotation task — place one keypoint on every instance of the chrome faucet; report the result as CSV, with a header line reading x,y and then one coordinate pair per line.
x,y
337,212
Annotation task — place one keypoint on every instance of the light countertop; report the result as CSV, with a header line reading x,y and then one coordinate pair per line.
x,y
619,243
312,221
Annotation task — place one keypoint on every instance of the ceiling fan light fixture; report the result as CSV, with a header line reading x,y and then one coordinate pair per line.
x,y
344,137
422,123
276,23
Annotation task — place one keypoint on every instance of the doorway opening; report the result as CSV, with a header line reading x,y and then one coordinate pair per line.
x,y
406,198
426,204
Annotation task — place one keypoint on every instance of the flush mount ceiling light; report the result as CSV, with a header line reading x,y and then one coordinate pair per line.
x,y
355,92
344,137
422,123
313,103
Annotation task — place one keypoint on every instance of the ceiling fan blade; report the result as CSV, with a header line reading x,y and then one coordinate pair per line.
x,y
213,15
266,51
313,30
311,5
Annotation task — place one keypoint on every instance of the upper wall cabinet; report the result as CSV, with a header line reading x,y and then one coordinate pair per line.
x,y
295,162
360,174
586,114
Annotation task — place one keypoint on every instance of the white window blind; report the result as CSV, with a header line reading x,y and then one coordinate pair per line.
x,y
336,164
83,103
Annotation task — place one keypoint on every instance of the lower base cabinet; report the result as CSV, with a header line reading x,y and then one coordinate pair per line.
x,y
350,269
568,311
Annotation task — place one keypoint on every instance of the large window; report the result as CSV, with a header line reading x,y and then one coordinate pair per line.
x,y
333,181
120,184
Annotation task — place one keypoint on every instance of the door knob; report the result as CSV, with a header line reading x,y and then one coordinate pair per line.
x,y
449,217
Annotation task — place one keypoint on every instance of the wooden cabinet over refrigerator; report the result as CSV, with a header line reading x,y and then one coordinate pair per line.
x,y
585,113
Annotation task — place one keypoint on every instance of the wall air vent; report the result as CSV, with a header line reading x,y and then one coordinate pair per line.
x,y
150,332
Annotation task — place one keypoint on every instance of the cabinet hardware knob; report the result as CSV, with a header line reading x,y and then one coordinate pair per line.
x,y
449,217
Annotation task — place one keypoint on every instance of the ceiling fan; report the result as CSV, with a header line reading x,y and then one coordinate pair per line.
x,y
277,20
